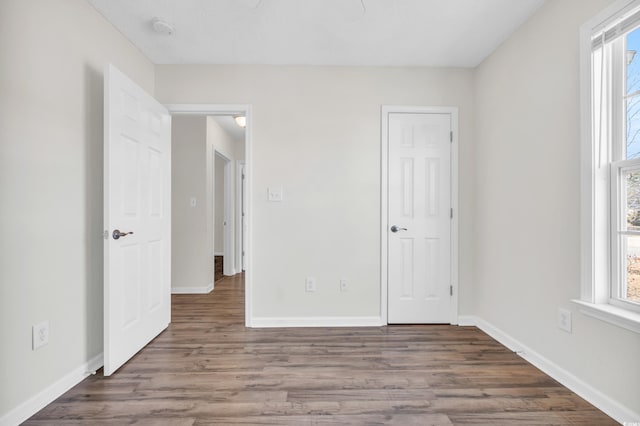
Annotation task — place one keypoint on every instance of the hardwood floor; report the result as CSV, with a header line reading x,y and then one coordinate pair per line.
x,y
217,268
206,368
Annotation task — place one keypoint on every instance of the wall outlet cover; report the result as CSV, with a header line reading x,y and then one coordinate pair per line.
x,y
564,319
344,284
310,284
40,334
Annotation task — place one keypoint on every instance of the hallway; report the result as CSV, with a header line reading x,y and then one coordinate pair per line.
x,y
207,368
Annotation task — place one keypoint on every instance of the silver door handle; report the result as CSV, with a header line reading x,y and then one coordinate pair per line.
x,y
396,228
117,234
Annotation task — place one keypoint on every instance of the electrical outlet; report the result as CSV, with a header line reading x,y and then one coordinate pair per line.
x,y
310,284
344,284
40,334
564,319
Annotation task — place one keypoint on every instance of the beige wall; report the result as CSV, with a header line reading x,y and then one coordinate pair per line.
x,y
528,202
317,133
53,53
191,260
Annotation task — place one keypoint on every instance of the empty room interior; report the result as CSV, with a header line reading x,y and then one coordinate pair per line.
x,y
422,212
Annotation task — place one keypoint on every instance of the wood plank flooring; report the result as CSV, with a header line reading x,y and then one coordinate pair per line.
x,y
206,369
217,268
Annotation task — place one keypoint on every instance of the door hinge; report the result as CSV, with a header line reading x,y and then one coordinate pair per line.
x,y
243,176
451,213
450,290
451,136
105,234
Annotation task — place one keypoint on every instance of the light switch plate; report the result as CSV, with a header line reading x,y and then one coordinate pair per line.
x,y
274,193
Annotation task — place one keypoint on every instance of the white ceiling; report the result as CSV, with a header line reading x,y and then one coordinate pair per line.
x,y
457,33
229,125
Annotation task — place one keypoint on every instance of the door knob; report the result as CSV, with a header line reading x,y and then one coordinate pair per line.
x,y
396,228
117,234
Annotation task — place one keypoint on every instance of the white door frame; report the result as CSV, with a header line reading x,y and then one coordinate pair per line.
x,y
384,200
233,109
240,165
228,252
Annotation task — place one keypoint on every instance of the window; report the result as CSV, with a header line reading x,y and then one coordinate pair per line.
x,y
625,168
611,166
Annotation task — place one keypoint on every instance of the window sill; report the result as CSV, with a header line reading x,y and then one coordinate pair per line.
x,y
611,314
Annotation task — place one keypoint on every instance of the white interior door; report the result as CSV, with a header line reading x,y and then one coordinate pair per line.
x,y
243,215
137,202
419,218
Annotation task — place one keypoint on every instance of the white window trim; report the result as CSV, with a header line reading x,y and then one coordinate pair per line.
x,y
595,226
618,168
611,314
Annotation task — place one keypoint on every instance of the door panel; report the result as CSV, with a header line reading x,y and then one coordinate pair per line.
x,y
137,190
243,198
419,202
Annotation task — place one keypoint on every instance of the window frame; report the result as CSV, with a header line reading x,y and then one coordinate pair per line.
x,y
601,210
618,210
615,58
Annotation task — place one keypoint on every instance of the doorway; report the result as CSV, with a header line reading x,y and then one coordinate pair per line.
x,y
223,241
214,110
419,215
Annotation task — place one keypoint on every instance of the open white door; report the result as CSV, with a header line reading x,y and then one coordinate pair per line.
x,y
137,205
419,215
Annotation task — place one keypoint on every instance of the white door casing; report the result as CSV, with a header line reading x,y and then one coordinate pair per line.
x,y
419,204
240,216
137,199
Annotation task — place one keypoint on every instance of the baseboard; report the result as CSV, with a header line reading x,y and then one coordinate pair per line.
x,y
275,322
193,290
48,395
612,408
467,321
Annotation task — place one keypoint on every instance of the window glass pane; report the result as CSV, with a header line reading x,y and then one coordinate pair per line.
x,y
633,94
631,284
632,191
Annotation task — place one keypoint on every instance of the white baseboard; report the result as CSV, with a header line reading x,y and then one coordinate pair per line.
x,y
467,321
49,394
193,290
603,402
275,322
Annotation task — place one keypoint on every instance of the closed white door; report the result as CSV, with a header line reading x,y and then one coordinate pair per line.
x,y
243,224
419,218
137,219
